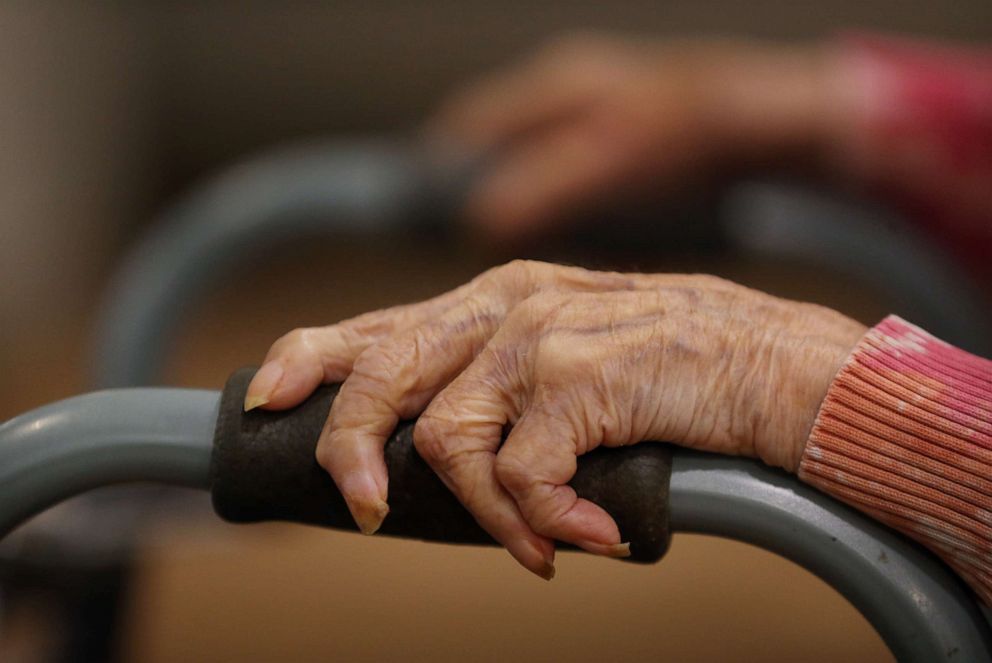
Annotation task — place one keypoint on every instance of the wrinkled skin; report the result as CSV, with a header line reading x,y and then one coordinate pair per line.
x,y
567,359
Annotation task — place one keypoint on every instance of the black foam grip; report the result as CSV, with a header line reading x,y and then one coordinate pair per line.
x,y
263,468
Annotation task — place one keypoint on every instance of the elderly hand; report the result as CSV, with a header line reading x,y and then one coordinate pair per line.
x,y
568,359
593,119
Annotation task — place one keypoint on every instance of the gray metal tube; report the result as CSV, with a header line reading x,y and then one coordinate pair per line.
x,y
104,438
371,187
362,187
920,608
924,285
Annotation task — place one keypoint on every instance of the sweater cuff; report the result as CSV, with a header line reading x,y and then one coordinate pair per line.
x,y
905,435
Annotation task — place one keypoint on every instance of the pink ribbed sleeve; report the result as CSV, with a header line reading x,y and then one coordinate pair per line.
x,y
905,435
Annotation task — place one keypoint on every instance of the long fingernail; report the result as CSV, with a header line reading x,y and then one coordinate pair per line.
x,y
369,515
547,568
262,385
618,550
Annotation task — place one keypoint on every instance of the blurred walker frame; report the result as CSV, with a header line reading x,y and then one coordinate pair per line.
x,y
136,433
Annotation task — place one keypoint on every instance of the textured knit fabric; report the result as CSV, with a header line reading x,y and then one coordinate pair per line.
x,y
905,435
924,139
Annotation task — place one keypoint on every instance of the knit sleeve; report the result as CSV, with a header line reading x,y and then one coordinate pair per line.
x,y
905,435
922,135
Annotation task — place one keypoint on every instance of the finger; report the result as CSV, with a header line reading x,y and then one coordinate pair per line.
x,y
535,464
508,104
304,358
458,436
298,362
544,180
391,380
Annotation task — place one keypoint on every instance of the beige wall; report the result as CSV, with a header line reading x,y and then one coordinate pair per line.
x,y
73,151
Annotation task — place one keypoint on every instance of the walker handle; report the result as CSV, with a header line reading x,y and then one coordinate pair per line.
x,y
263,468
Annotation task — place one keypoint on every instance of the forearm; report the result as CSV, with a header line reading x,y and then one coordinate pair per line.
x,y
906,121
905,435
766,106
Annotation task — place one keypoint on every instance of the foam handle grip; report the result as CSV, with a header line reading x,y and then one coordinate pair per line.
x,y
263,468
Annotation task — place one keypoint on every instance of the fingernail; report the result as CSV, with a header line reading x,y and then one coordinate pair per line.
x,y
369,515
547,568
252,402
262,385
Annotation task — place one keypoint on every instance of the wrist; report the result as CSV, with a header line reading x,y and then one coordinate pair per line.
x,y
767,106
803,368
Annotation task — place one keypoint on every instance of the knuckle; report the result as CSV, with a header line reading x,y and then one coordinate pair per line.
x,y
546,514
375,363
513,279
448,446
346,336
397,365
516,265
527,271
713,282
292,340
358,403
323,455
512,471
318,341
431,438
539,310
534,307
362,393
505,361
513,271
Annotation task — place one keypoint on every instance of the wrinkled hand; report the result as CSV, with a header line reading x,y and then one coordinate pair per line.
x,y
592,119
570,359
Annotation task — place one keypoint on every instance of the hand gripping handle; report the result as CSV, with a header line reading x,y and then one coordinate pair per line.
x,y
263,468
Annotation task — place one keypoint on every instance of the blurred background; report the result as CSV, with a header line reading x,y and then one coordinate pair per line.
x,y
111,111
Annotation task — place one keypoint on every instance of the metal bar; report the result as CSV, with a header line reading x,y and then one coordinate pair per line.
x,y
920,608
869,243
104,438
362,187
370,187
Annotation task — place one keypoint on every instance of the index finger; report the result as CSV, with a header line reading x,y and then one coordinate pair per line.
x,y
298,362
510,103
458,436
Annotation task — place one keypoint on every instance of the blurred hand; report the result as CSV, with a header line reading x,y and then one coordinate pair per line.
x,y
570,359
592,119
